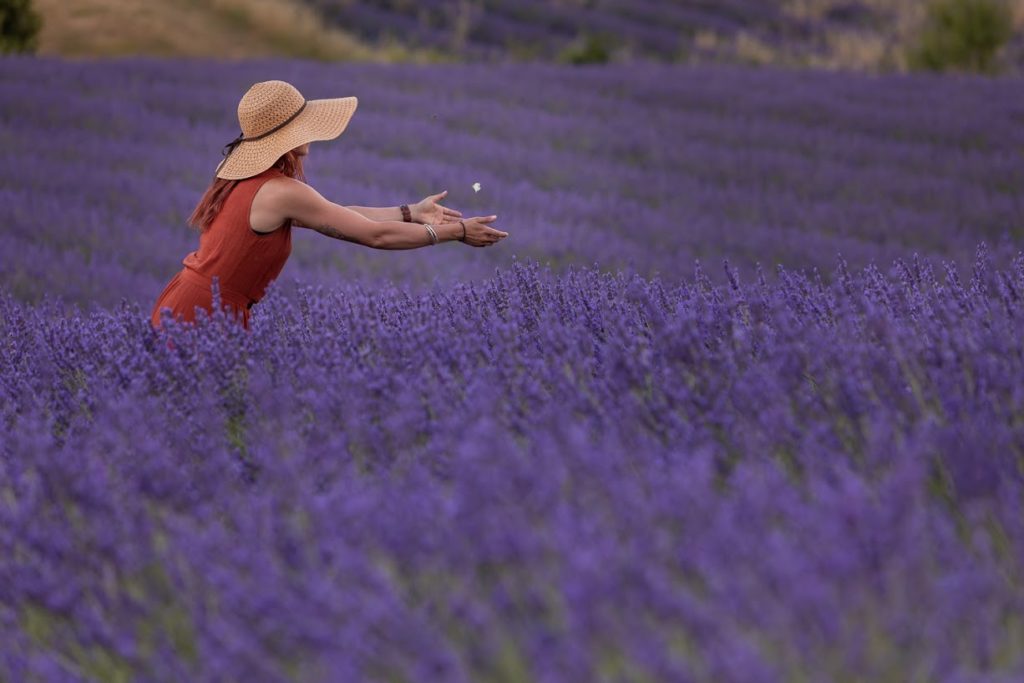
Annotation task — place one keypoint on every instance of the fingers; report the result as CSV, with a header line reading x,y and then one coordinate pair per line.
x,y
494,236
451,212
483,235
488,240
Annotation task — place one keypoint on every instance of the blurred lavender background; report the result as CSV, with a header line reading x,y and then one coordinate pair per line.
x,y
639,167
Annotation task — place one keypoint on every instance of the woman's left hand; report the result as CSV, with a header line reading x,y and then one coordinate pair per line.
x,y
427,210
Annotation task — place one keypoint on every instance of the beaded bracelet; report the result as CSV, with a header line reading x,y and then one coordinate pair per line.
x,y
406,213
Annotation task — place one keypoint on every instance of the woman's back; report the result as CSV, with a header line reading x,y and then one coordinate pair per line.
x,y
243,260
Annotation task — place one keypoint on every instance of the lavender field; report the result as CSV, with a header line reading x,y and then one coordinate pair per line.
x,y
640,168
738,400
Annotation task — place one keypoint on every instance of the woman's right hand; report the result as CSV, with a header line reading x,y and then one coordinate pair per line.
x,y
479,234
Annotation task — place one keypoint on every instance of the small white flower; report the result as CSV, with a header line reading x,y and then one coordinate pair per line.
x,y
476,187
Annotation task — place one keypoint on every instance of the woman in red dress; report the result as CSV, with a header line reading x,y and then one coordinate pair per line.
x,y
259,193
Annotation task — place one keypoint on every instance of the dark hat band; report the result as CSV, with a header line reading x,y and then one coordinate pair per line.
x,y
230,147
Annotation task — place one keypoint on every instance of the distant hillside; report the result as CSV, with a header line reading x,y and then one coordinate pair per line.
x,y
229,29
864,35
853,34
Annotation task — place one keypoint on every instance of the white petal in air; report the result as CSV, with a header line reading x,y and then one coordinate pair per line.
x,y
476,187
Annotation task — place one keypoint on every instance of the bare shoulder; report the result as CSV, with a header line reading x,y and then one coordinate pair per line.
x,y
282,197
284,192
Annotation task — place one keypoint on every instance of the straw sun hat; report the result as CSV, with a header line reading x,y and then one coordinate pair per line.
x,y
275,118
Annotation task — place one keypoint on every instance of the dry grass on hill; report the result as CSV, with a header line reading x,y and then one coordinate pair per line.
x,y
877,44
229,29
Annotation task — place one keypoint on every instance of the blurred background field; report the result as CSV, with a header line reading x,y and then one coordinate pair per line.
x,y
644,160
637,167
872,35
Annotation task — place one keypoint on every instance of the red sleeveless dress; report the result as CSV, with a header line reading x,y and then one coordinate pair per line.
x,y
243,260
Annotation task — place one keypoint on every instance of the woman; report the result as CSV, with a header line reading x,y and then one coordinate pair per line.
x,y
259,192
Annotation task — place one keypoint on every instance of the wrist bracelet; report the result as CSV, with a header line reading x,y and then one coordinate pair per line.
x,y
406,213
463,230
433,235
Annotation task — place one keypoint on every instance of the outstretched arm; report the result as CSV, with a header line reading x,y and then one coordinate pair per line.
x,y
378,213
309,209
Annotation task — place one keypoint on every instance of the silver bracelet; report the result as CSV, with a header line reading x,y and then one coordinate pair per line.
x,y
433,235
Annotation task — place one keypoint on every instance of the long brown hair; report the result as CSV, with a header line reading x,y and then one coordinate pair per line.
x,y
213,199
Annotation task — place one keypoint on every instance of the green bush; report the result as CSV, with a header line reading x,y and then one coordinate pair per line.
x,y
963,34
19,26
588,49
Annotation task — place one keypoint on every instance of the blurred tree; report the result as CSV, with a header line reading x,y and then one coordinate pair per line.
x,y
964,34
19,26
588,49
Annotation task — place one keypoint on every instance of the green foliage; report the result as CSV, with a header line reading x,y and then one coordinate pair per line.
x,y
962,34
19,26
588,49
166,621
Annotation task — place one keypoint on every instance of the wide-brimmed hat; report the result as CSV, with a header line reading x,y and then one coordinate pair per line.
x,y
275,118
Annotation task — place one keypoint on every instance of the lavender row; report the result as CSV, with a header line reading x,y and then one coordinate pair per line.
x,y
539,476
